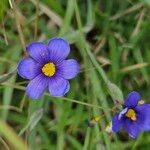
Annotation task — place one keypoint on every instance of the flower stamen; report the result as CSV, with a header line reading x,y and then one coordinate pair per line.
x,y
131,114
94,120
49,69
141,102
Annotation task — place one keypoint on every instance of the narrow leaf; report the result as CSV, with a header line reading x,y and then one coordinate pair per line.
x,y
33,120
114,91
7,76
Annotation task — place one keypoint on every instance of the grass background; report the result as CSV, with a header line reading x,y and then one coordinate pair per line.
x,y
110,40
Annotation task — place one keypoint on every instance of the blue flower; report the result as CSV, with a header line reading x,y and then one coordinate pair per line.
x,y
46,67
134,118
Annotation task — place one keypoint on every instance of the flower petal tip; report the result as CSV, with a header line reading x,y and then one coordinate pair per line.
x,y
28,68
132,99
59,49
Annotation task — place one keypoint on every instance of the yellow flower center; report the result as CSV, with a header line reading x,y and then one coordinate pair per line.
x,y
131,114
49,69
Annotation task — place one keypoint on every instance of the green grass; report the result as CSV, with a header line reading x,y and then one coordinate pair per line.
x,y
110,40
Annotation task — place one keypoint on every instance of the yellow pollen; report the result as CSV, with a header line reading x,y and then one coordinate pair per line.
x,y
141,102
131,114
49,69
93,121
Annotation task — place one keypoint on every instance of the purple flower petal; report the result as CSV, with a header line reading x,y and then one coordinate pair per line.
x,y
132,127
67,88
36,87
122,113
68,69
28,68
143,115
59,49
58,86
38,51
117,123
132,99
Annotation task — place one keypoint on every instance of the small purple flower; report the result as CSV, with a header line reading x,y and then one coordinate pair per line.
x,y
134,118
46,67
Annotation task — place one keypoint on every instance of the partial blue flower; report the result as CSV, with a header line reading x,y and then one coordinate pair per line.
x,y
134,118
46,67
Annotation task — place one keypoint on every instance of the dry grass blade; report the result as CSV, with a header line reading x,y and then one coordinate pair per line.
x,y
4,144
21,35
128,11
104,61
137,28
7,76
99,45
36,22
10,108
119,38
54,17
133,67
4,32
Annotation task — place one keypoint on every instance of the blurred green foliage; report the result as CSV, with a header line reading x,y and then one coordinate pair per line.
x,y
110,40
3,7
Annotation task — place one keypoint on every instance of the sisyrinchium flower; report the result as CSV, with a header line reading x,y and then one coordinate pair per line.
x,y
46,67
135,116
